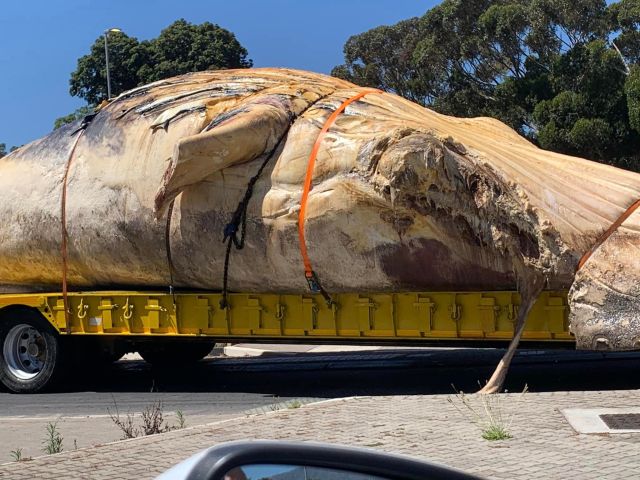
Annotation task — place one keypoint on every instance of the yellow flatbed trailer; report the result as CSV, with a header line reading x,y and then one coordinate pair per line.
x,y
39,338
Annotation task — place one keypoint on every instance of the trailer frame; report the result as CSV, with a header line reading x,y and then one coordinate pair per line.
x,y
354,317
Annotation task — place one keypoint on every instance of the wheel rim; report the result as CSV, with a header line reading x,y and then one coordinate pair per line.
x,y
24,351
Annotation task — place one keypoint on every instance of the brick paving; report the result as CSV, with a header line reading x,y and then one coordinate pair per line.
x,y
426,427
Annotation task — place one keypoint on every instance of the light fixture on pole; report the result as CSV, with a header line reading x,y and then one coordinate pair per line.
x,y
106,57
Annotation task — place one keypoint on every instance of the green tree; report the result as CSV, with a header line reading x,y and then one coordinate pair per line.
x,y
383,58
180,48
3,149
78,114
183,47
625,16
632,91
563,73
126,57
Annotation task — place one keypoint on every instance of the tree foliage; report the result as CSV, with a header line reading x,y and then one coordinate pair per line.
x,y
565,74
3,149
180,48
78,114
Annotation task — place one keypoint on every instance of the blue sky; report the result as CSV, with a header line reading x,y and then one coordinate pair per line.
x,y
40,42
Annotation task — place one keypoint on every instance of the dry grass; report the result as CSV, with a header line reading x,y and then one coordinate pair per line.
x,y
487,412
152,417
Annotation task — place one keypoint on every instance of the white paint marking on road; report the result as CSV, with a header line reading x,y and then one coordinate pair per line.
x,y
62,417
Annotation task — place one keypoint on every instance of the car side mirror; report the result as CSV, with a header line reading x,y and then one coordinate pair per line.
x,y
274,460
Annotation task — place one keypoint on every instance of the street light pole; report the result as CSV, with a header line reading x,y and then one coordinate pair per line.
x,y
106,57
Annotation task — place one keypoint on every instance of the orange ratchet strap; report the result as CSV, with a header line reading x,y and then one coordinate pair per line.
x,y
312,279
627,213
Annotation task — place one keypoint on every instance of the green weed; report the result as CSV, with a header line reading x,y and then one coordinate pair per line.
x,y
52,442
16,455
182,422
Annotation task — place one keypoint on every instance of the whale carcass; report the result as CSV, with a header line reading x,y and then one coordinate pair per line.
x,y
403,198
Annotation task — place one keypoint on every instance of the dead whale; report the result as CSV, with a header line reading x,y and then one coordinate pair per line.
x,y
402,198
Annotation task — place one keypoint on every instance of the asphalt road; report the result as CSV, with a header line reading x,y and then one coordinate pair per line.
x,y
220,388
237,384
383,372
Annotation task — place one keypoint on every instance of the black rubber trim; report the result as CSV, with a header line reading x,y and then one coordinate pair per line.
x,y
221,459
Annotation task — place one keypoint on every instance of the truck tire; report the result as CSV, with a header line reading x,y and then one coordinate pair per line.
x,y
175,353
30,353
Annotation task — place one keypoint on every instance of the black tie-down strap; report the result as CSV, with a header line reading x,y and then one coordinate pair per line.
x,y
239,221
